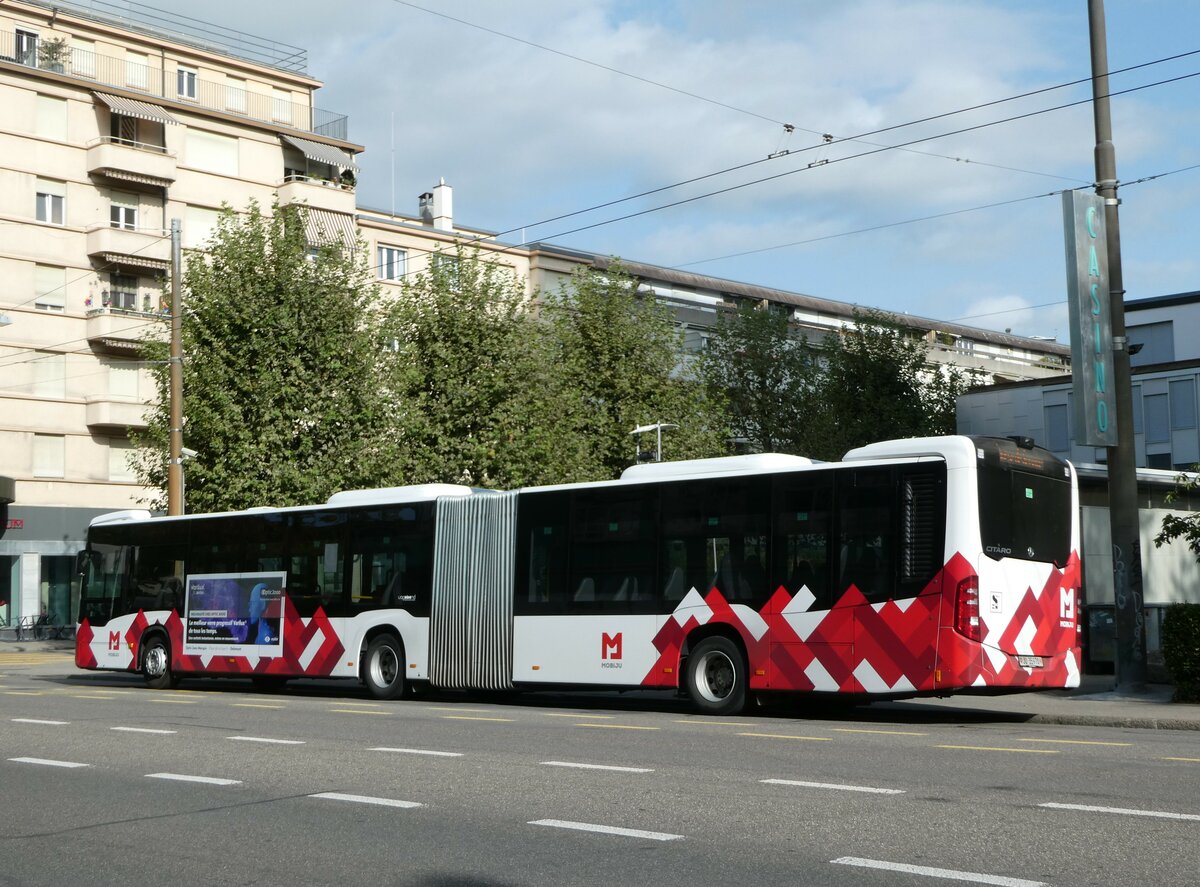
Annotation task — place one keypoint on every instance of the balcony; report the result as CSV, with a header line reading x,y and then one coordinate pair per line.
x,y
106,413
316,192
130,247
120,331
131,162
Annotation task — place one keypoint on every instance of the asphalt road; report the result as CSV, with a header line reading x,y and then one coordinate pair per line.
x,y
105,782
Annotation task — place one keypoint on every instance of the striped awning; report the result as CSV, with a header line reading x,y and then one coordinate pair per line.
x,y
135,261
322,226
322,153
134,108
141,178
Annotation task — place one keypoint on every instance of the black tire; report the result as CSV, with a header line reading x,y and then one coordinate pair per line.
x,y
156,664
716,676
383,668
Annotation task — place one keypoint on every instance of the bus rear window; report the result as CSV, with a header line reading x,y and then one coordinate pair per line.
x,y
1025,516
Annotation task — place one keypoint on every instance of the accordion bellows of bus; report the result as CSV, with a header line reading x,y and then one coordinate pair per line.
x,y
919,566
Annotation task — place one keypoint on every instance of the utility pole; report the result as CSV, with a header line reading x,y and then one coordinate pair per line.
x,y
1130,621
175,463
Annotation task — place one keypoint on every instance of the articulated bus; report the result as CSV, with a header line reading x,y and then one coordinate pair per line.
x,y
913,567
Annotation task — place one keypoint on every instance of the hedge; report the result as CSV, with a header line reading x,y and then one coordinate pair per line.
x,y
1181,649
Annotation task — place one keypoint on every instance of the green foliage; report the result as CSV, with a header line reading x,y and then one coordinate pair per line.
x,y
1181,649
1186,527
616,353
279,370
768,377
474,398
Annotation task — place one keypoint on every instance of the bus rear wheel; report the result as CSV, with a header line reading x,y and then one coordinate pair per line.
x,y
716,676
383,668
156,664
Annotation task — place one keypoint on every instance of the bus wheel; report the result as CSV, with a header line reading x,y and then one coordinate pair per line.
x,y
716,676
383,669
156,664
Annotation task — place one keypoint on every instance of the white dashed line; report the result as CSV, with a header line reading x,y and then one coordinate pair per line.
x,y
47,763
266,740
946,874
607,830
420,751
39,721
142,730
365,799
181,777
1124,811
833,785
597,767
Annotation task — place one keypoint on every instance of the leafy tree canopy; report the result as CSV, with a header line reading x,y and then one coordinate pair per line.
x,y
1178,526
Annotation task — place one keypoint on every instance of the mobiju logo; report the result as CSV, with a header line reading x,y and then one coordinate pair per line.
x,y
1066,611
610,645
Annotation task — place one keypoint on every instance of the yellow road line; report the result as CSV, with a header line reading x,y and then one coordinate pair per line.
x,y
1188,760
24,693
80,696
881,732
359,711
1077,742
254,705
781,736
470,718
1024,751
617,727
177,701
559,714
714,723
453,708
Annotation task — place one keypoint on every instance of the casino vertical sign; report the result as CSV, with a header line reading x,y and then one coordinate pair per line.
x,y
1091,320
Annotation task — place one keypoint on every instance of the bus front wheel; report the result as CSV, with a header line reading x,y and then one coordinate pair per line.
x,y
383,668
716,676
156,664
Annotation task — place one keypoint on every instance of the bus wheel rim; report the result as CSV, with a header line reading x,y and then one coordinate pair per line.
x,y
385,666
156,662
715,677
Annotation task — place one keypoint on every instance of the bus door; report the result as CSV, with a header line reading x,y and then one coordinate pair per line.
x,y
103,591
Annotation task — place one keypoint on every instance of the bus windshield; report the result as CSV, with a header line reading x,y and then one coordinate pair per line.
x,y
1024,515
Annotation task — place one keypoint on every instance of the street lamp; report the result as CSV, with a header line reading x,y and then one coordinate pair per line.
x,y
657,428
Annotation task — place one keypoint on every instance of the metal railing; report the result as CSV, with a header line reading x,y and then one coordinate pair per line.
x,y
103,70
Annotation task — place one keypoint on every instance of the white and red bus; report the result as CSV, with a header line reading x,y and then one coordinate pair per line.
x,y
921,566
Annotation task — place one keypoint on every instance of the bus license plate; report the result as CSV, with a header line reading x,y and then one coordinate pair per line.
x,y
1030,661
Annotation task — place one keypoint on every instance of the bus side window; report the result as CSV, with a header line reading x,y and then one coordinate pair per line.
x,y
542,586
612,551
803,514
315,562
866,535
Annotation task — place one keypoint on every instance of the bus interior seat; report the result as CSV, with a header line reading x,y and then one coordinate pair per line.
x,y
676,586
586,590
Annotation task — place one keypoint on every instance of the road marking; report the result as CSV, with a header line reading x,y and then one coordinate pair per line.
x,y
576,715
23,693
607,829
597,767
39,721
142,730
881,732
1077,742
1024,751
1124,811
47,763
617,727
420,751
454,708
948,874
715,723
363,704
358,711
266,740
1189,760
469,718
365,799
177,701
254,705
91,696
181,777
780,736
845,788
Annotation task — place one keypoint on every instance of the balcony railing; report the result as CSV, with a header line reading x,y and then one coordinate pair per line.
x,y
103,70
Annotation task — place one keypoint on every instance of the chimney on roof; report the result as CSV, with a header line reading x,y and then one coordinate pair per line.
x,y
437,207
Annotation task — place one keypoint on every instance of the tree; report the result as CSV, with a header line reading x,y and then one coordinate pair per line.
x,y
279,370
1176,526
878,384
618,353
767,376
470,384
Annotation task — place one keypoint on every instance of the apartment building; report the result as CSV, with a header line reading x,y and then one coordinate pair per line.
x,y
114,124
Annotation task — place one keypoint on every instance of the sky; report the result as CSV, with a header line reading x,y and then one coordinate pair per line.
x,y
622,97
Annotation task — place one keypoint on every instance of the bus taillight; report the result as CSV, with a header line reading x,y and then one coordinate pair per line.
x,y
966,609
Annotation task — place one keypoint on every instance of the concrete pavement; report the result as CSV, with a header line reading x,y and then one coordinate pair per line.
x,y
1094,704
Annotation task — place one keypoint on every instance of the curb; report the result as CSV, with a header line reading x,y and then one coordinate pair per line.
x,y
1106,721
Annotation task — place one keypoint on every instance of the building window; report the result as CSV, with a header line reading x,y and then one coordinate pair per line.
x,y
27,47
50,376
1158,426
391,264
49,284
1137,408
51,201
235,95
1058,432
1183,404
123,210
211,152
50,118
122,292
123,379
49,455
185,82
1159,460
123,129
137,71
1157,341
119,468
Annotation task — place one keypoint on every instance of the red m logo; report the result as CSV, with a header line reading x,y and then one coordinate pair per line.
x,y
610,647
1067,604
114,640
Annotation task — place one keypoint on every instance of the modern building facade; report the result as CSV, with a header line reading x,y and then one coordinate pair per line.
x,y
117,122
